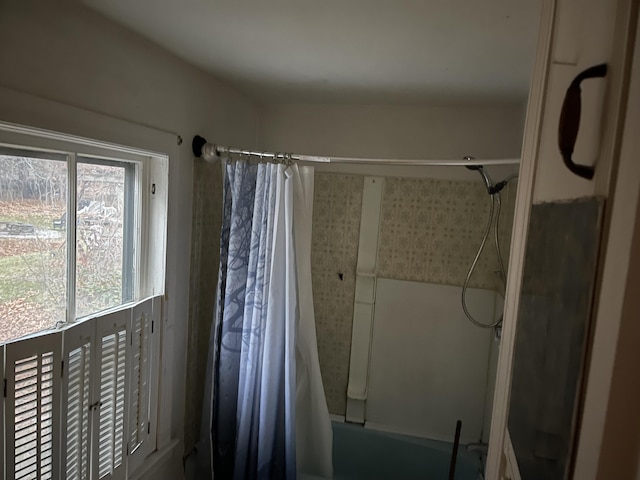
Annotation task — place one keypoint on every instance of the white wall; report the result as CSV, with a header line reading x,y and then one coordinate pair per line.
x,y
429,365
386,131
64,52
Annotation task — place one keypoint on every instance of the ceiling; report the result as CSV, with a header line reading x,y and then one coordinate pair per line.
x,y
348,51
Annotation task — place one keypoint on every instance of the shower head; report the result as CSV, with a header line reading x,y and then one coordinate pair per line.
x,y
469,158
483,173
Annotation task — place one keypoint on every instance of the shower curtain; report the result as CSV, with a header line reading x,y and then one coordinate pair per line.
x,y
265,412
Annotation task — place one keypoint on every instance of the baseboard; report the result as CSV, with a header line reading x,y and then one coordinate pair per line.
x,y
162,464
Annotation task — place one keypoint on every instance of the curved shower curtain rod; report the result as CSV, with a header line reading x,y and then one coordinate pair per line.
x,y
210,152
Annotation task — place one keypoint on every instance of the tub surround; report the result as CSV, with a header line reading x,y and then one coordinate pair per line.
x,y
429,364
361,453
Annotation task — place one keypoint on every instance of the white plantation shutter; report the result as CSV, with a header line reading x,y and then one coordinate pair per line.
x,y
78,402
32,422
81,403
109,427
141,381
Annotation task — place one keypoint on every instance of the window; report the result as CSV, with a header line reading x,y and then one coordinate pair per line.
x,y
42,283
82,249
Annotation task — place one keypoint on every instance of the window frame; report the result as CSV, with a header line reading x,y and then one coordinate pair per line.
x,y
147,167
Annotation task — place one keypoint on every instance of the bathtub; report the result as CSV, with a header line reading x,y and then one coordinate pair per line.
x,y
360,453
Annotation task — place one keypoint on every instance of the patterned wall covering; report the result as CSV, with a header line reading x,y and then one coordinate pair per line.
x,y
337,206
430,232
205,253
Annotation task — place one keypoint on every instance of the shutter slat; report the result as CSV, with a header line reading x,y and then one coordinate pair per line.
x,y
27,471
25,397
28,438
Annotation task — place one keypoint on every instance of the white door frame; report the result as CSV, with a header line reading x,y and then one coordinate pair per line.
x,y
608,421
619,181
531,141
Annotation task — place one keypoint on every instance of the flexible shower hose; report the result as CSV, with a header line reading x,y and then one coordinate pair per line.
x,y
495,200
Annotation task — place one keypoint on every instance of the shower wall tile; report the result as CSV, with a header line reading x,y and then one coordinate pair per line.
x,y
205,255
430,231
336,229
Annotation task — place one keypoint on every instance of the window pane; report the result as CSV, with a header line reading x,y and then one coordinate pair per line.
x,y
33,255
101,191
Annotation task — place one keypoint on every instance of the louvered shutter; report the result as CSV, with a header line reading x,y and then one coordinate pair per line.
x,y
109,436
32,404
78,402
142,383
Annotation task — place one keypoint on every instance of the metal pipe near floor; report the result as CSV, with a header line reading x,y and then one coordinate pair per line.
x,y
454,453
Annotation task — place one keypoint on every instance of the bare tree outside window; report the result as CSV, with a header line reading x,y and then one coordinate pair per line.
x,y
33,240
33,254
100,237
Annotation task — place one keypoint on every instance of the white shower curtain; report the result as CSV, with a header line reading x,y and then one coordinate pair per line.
x,y
265,414
314,441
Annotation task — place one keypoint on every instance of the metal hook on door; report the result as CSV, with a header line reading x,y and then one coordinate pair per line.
x,y
570,120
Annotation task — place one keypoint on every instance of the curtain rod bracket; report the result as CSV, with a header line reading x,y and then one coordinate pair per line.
x,y
197,144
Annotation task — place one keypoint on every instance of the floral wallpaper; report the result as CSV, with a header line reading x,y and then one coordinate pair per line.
x,y
205,257
430,231
337,206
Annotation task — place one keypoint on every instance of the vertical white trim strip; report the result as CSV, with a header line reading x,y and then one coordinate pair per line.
x,y
72,204
142,220
363,310
614,284
513,471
